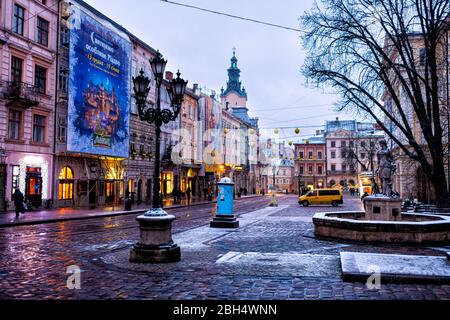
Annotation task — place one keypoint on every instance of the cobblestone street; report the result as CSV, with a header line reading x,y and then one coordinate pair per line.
x,y
273,255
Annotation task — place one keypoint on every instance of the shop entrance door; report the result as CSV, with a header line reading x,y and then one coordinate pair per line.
x,y
110,192
3,187
92,193
139,192
33,186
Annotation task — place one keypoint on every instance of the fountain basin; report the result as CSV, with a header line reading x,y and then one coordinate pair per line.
x,y
409,228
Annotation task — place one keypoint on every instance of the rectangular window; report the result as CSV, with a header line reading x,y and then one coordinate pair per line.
x,y
16,69
320,170
63,79
310,170
132,148
302,155
302,170
344,168
133,108
333,144
65,37
42,31
40,79
423,56
15,178
66,190
344,144
333,168
39,129
310,155
62,129
14,122
319,155
333,155
19,18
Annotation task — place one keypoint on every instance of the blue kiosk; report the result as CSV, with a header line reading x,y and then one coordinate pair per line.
x,y
225,217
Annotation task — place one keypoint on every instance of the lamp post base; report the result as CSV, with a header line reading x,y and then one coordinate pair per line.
x,y
274,202
155,244
225,222
161,254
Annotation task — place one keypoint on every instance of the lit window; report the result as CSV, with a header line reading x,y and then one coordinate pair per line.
x,y
66,183
15,178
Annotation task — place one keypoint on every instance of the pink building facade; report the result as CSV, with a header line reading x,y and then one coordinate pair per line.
x,y
28,47
311,164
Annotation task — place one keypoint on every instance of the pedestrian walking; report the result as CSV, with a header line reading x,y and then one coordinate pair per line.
x,y
188,194
18,202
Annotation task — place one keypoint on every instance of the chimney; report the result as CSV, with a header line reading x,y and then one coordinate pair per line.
x,y
213,94
169,75
195,87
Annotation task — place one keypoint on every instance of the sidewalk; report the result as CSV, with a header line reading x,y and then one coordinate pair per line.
x,y
58,215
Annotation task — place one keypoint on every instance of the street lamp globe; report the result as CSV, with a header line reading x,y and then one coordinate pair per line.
x,y
141,86
158,65
179,86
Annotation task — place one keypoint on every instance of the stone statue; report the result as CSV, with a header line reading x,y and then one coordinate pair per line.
x,y
386,169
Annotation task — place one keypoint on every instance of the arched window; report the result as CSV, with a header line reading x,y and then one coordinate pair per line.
x,y
66,183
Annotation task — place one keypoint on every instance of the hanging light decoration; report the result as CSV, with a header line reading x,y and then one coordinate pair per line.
x,y
297,131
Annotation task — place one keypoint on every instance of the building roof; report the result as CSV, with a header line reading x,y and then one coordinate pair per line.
x,y
115,24
313,140
234,84
349,125
242,114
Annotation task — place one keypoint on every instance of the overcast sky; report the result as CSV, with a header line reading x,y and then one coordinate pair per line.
x,y
200,45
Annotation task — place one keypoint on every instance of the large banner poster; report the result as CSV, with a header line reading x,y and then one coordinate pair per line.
x,y
99,88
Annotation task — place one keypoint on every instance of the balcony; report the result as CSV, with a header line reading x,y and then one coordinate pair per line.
x,y
19,94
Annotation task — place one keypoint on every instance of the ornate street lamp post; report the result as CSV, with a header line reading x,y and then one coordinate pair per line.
x,y
156,244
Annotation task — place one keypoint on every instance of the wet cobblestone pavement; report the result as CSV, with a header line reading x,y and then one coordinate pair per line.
x,y
257,261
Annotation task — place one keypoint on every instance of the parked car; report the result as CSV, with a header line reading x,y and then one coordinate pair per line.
x,y
335,197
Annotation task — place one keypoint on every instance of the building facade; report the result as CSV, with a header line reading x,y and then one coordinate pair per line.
x,y
351,150
28,50
311,164
139,167
115,159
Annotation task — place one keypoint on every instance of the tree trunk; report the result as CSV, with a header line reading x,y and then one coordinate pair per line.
x,y
438,180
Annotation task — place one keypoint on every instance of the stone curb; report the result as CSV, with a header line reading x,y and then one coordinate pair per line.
x,y
105,215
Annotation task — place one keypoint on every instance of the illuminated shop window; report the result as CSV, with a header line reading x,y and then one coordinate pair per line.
x,y
15,178
66,183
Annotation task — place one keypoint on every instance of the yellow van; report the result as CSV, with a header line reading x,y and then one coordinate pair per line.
x,y
334,197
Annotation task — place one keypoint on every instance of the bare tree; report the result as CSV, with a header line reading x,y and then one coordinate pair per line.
x,y
383,57
361,151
